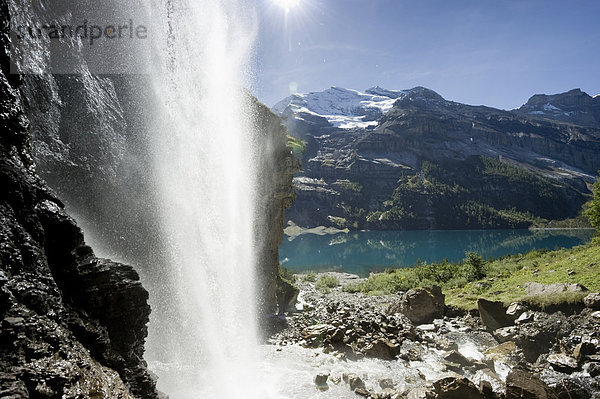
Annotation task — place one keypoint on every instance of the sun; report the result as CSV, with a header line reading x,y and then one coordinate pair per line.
x,y
287,5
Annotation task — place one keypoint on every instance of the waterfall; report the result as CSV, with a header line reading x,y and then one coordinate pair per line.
x,y
203,171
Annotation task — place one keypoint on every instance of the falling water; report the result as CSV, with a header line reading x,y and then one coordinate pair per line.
x,y
204,177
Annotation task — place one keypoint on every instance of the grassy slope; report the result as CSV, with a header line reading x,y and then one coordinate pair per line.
x,y
504,278
508,276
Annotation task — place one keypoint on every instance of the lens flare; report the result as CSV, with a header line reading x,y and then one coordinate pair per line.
x,y
287,5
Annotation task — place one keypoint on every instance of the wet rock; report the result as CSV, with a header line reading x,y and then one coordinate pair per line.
x,y
584,349
71,321
445,344
354,381
338,335
420,393
382,349
562,363
457,358
386,383
515,310
318,331
426,328
592,300
572,388
538,336
500,352
522,384
321,380
421,305
487,380
456,387
536,289
506,334
524,318
493,314
594,369
287,295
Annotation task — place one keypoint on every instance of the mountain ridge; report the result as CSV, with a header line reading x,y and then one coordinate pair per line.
x,y
442,152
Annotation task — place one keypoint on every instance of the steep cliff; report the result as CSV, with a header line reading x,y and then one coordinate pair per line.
x,y
72,325
275,193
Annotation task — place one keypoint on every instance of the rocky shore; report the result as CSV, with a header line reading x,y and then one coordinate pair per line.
x,y
494,352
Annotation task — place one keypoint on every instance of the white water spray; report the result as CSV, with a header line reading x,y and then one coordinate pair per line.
x,y
205,179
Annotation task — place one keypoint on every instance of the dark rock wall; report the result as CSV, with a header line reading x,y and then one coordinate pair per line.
x,y
275,193
72,325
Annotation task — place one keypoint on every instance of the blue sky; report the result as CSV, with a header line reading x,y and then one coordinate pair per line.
x,y
492,52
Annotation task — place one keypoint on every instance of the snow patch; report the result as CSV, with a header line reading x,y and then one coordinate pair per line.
x,y
343,108
551,108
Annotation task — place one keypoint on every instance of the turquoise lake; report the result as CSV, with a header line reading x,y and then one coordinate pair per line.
x,y
370,251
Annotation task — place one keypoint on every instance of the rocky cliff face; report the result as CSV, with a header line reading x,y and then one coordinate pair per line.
x,y
432,163
574,107
275,194
72,325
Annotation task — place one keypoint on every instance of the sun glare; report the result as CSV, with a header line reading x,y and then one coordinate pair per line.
x,y
287,5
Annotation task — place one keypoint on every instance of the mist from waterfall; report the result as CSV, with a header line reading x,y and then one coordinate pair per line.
x,y
205,346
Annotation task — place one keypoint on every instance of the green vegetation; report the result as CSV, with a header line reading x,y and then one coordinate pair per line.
x,y
445,274
579,222
546,301
506,277
349,185
309,277
286,274
326,282
297,146
593,207
478,192
498,280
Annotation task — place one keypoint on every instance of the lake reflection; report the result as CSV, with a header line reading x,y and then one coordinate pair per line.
x,y
363,252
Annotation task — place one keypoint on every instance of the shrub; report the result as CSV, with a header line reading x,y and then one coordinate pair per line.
x,y
309,277
286,274
326,282
593,207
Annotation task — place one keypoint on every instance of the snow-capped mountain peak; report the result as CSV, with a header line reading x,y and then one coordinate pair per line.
x,y
346,108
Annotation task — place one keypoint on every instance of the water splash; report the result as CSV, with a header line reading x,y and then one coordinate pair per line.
x,y
205,178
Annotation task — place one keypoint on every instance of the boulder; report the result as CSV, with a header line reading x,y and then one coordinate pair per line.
x,y
535,289
457,358
594,370
382,349
521,384
500,352
287,295
421,305
420,393
354,381
584,349
592,300
493,314
321,380
515,310
489,383
386,383
506,334
562,363
318,331
574,388
456,387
